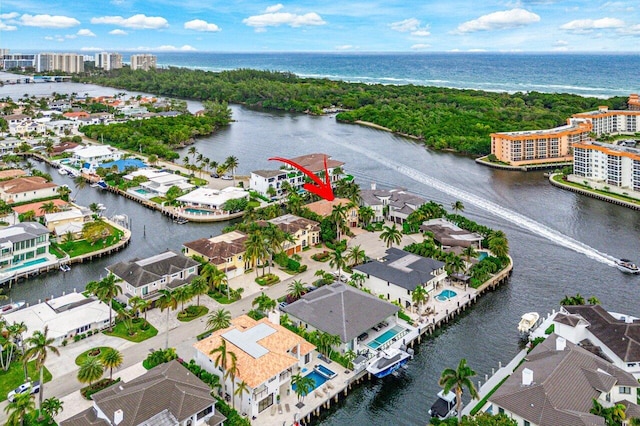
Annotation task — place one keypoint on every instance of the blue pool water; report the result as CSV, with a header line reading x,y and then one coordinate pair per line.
x,y
482,255
123,164
385,337
198,211
445,295
325,371
141,191
27,263
318,380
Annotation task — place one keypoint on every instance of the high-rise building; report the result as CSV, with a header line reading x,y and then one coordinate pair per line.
x,y
108,61
65,62
16,60
143,62
634,102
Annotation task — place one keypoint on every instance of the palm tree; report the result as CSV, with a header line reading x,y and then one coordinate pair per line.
x,y
336,260
240,390
468,253
16,330
232,164
167,301
457,207
391,235
255,248
192,152
454,263
111,358
327,341
303,385
23,404
366,213
106,290
80,183
219,319
498,244
48,207
593,300
223,357
231,373
90,371
296,290
420,295
39,345
63,192
135,303
182,295
264,303
52,407
356,255
457,380
198,287
339,217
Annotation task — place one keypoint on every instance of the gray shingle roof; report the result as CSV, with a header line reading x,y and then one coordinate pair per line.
x,y
402,268
621,337
564,384
87,417
168,387
22,232
341,310
139,272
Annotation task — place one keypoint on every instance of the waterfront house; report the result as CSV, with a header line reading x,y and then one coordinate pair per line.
x,y
167,395
391,204
400,273
611,334
145,277
212,199
9,145
267,355
448,234
26,188
27,127
94,154
261,180
342,310
68,221
36,207
65,316
61,128
11,174
305,232
75,115
161,182
226,251
557,384
323,208
27,241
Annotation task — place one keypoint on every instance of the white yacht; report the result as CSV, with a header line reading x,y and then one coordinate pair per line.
x,y
527,322
388,361
627,266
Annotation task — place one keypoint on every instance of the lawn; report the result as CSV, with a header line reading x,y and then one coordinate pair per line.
x,y
14,377
119,330
558,178
80,247
221,298
80,359
192,312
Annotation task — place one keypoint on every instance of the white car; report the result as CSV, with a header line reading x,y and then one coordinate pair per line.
x,y
226,177
23,388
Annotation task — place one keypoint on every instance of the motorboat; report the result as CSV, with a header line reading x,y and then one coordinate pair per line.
x,y
63,172
444,407
99,184
388,361
65,268
180,221
527,322
627,266
11,307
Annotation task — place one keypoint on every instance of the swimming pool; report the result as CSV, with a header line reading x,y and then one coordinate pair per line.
x,y
482,255
197,211
385,337
141,191
324,371
446,295
318,380
27,263
123,164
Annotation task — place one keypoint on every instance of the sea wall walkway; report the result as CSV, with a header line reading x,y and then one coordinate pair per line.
x,y
592,194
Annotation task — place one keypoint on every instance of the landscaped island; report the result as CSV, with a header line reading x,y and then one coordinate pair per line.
x,y
455,119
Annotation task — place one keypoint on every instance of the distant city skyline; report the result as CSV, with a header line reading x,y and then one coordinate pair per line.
x,y
308,26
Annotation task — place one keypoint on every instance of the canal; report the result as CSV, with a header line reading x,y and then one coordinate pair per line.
x,y
559,241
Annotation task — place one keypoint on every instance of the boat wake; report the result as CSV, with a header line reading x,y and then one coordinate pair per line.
x,y
516,218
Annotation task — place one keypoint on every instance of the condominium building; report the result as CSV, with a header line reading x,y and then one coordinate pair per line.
x,y
539,146
108,61
605,121
634,102
143,62
16,60
615,167
65,62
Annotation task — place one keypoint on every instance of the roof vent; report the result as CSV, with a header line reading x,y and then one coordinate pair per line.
x,y
373,186
527,377
561,343
118,417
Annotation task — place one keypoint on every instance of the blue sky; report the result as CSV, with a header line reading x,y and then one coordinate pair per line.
x,y
346,25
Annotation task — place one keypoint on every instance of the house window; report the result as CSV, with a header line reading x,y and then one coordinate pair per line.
x,y
205,412
500,410
626,390
307,358
526,423
145,290
608,397
265,403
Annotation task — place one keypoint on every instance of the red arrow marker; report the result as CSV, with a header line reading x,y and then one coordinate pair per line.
x,y
321,189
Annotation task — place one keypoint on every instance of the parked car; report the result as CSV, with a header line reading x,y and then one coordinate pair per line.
x,y
215,175
227,177
25,387
282,305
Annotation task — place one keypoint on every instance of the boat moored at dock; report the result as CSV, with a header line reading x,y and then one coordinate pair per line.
x,y
444,407
11,307
388,361
527,322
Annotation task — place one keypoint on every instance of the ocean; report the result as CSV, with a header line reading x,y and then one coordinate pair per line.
x,y
598,75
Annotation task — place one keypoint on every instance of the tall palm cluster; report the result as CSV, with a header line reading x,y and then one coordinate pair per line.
x,y
196,162
263,241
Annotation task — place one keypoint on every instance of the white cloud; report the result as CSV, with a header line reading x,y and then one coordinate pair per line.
x,y
118,32
421,33
48,38
274,8
583,26
632,30
477,50
85,33
138,21
561,43
561,49
9,15
200,25
420,46
344,47
261,22
405,26
170,48
5,27
70,36
501,20
91,49
48,21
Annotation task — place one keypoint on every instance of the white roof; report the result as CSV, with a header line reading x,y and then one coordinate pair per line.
x,y
92,151
148,173
72,227
213,197
64,321
169,179
67,214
